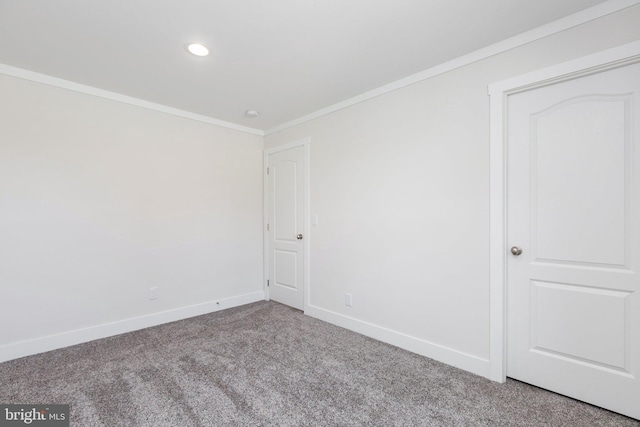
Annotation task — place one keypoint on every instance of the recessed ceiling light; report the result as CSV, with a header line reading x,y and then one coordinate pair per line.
x,y
197,49
251,113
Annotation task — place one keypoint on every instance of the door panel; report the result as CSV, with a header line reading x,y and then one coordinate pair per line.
x,y
573,163
590,193
286,221
587,315
285,269
284,176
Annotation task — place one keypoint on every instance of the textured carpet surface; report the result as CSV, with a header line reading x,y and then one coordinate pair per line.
x,y
265,364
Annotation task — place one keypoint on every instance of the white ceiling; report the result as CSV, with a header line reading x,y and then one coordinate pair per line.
x,y
284,58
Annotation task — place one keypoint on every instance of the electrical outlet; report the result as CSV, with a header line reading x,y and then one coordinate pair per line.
x,y
153,292
348,300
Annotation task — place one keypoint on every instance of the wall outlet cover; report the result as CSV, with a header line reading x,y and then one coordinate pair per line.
x,y
348,300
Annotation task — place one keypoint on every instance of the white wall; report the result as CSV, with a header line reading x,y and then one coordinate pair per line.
x,y
401,187
100,200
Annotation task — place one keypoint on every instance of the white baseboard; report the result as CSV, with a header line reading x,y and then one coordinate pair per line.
x,y
78,336
465,361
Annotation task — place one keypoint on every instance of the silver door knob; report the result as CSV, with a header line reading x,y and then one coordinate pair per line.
x,y
516,251
299,237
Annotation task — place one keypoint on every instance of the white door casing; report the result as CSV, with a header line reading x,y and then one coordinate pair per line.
x,y
286,224
565,156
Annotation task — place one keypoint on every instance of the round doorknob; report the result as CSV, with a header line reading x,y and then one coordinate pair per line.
x,y
299,237
516,251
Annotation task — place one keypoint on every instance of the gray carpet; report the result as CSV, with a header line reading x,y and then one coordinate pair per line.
x,y
265,364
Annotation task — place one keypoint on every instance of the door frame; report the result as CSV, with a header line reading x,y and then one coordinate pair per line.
x,y
306,143
499,92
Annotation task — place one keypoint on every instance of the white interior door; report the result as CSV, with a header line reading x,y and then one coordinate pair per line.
x,y
285,217
573,193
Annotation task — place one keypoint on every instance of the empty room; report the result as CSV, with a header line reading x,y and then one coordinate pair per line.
x,y
323,213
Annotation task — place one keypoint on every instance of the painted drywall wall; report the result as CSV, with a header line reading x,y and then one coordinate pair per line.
x,y
400,184
100,201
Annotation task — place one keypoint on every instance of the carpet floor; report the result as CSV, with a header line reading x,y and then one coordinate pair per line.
x,y
265,364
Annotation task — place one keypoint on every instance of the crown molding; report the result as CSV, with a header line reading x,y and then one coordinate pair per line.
x,y
114,96
582,17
